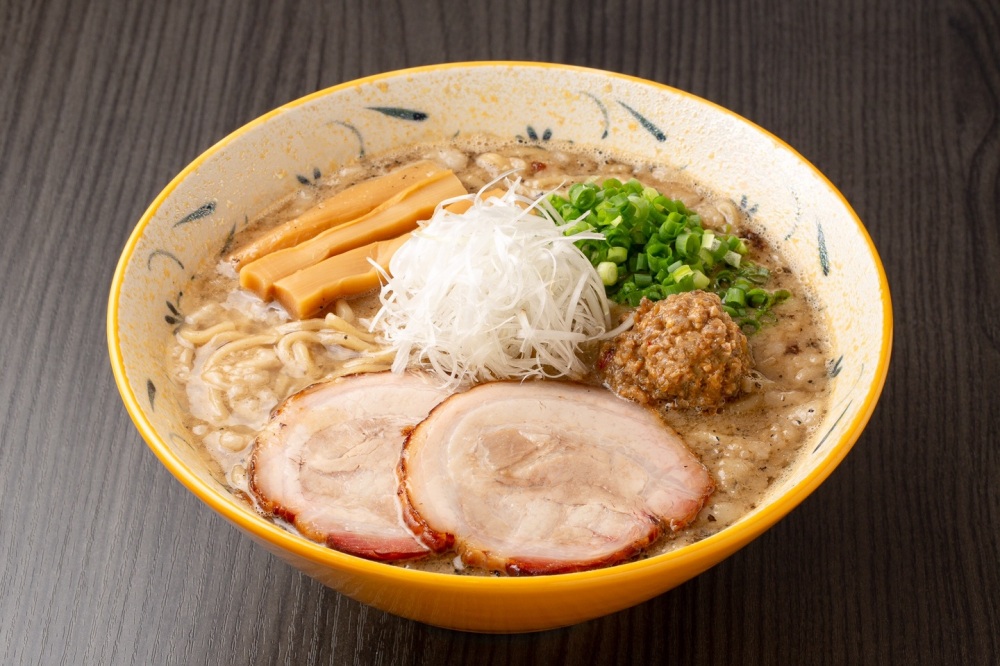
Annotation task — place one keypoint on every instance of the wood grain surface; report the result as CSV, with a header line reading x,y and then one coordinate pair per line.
x,y
106,559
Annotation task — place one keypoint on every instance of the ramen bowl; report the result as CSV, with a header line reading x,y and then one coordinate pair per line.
x,y
797,208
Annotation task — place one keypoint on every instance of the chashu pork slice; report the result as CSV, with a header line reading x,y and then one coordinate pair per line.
x,y
326,461
546,477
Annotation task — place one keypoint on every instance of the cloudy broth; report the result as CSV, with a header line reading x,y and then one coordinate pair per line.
x,y
235,357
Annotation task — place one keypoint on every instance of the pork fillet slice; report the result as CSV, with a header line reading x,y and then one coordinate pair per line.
x,y
326,462
546,477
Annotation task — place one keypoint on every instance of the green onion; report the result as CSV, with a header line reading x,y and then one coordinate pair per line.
x,y
758,297
681,272
735,296
583,195
700,280
655,247
608,270
687,244
618,254
705,259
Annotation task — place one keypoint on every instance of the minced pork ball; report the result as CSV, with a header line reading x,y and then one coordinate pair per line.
x,y
684,351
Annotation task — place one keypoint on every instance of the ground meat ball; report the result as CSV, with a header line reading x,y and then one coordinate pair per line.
x,y
685,351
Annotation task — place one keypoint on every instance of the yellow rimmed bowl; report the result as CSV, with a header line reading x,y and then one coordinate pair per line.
x,y
290,147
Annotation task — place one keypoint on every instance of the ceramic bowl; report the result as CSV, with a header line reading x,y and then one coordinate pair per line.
x,y
290,147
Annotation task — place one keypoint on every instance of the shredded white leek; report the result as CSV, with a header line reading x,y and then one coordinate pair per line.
x,y
495,292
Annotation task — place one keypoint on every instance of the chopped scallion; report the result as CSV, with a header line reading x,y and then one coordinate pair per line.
x,y
608,270
654,247
735,297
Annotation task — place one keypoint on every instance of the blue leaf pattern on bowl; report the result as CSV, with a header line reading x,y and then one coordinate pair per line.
x,y
824,258
847,401
533,135
230,238
647,125
174,316
202,211
833,427
604,113
401,113
354,130
312,181
161,253
798,215
748,209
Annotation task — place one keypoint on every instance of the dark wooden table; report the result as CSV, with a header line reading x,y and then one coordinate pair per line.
x,y
106,559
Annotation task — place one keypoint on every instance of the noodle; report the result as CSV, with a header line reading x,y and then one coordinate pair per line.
x,y
343,310
203,336
341,324
238,345
238,360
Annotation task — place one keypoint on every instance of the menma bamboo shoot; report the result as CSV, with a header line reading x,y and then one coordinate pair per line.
x,y
345,206
395,217
308,292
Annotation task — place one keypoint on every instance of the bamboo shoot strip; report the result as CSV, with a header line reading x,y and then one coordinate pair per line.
x,y
396,216
345,206
307,292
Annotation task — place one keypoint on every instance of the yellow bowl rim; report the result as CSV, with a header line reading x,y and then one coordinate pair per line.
x,y
709,550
